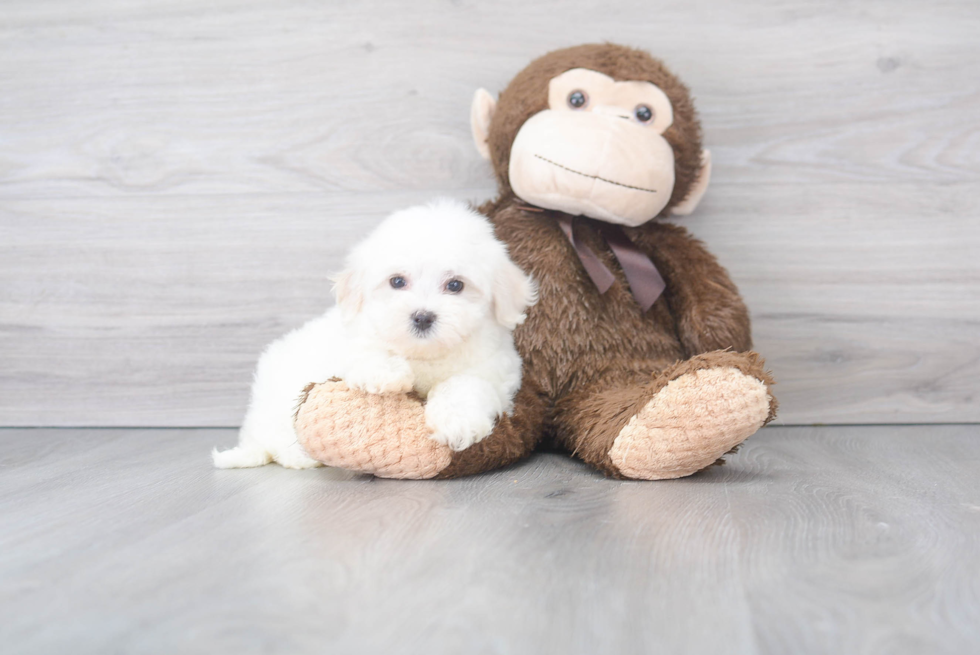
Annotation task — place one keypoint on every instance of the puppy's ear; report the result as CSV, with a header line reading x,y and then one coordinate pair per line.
x,y
347,289
513,292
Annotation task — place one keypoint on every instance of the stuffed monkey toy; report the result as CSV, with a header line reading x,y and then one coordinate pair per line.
x,y
637,357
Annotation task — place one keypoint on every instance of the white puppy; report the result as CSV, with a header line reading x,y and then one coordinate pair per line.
x,y
427,302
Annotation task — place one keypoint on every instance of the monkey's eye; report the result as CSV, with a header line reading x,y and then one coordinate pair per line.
x,y
577,99
454,286
643,113
397,282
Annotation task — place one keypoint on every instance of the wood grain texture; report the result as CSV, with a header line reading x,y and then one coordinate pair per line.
x,y
159,321
109,97
810,540
177,179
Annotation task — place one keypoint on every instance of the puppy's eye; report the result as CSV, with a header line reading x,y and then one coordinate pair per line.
x,y
643,113
577,99
397,282
454,286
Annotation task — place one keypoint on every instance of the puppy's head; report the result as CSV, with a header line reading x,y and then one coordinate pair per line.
x,y
428,277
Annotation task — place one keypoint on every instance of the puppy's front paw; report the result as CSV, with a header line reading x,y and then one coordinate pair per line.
x,y
456,425
388,375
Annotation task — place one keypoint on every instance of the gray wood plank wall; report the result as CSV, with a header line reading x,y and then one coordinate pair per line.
x,y
177,178
811,541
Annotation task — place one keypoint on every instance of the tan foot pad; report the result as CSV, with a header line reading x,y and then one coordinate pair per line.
x,y
690,423
384,435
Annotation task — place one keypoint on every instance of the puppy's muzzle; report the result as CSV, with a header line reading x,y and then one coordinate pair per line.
x,y
422,321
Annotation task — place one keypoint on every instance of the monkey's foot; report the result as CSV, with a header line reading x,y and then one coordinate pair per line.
x,y
384,435
695,418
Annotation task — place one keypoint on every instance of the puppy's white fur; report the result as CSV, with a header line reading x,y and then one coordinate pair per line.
x,y
465,364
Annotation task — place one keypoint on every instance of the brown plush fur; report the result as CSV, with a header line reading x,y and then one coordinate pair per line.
x,y
597,358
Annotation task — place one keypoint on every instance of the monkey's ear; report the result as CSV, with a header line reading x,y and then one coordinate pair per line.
x,y
688,204
480,114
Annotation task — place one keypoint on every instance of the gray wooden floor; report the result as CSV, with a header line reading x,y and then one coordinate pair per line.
x,y
811,540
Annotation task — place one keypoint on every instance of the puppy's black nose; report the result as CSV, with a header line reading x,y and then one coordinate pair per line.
x,y
423,320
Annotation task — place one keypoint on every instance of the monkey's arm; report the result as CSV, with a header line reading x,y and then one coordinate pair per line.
x,y
706,306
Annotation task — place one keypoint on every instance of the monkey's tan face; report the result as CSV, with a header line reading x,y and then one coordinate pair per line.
x,y
598,150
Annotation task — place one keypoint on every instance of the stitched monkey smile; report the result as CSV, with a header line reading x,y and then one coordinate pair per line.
x,y
594,177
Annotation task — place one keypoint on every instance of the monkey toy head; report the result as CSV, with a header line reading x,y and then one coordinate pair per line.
x,y
603,131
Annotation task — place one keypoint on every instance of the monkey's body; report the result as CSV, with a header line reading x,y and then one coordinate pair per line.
x,y
597,359
644,394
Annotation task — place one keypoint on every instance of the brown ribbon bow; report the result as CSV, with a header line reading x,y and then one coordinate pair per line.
x,y
646,283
